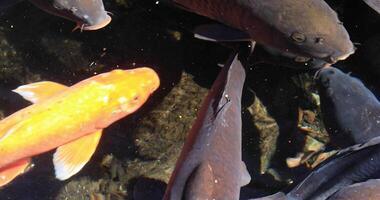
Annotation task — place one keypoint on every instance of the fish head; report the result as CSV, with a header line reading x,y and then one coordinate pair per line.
x,y
125,91
311,29
337,86
88,14
131,87
329,45
316,31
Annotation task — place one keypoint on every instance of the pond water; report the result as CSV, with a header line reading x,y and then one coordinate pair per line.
x,y
36,46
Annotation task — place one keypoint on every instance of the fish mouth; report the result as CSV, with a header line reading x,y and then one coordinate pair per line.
x,y
337,57
343,57
97,26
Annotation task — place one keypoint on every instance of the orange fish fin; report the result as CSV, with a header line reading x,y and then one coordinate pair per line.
x,y
71,157
8,173
39,91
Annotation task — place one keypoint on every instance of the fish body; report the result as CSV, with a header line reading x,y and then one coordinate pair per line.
x,y
345,176
88,14
300,29
210,165
70,118
350,111
349,166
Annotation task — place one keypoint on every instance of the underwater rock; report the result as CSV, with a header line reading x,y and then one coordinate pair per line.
x,y
73,60
268,131
11,65
162,132
309,113
85,189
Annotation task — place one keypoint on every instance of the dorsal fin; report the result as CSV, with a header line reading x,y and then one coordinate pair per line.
x,y
34,92
39,91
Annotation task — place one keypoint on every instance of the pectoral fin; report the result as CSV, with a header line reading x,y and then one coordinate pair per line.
x,y
8,173
220,33
39,91
70,158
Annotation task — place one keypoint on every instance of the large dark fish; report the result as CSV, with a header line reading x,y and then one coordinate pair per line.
x,y
341,177
302,29
210,165
88,14
350,111
353,165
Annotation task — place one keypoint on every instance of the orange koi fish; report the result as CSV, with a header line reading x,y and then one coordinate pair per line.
x,y
70,119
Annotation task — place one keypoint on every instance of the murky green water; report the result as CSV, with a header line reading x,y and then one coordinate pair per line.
x,y
36,46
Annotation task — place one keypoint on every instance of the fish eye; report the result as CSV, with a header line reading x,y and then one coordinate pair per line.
x,y
298,37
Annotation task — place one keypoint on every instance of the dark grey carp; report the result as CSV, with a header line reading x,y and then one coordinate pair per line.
x,y
302,29
88,14
350,111
345,176
210,165
352,165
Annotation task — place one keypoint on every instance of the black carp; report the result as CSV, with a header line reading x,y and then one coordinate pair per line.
x,y
351,112
210,165
302,29
88,14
